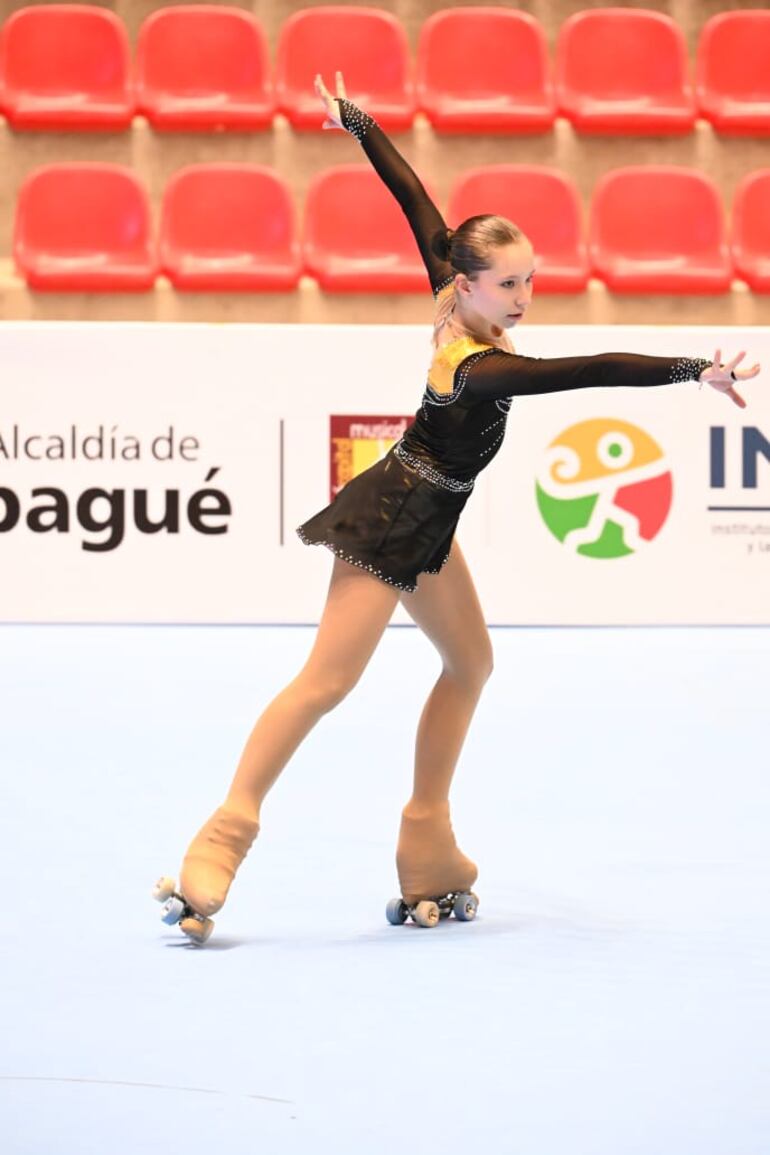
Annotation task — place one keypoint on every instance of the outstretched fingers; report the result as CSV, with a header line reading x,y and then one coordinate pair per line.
x,y
332,107
721,377
735,361
745,374
730,367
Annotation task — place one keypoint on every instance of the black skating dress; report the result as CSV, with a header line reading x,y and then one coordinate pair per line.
x,y
398,518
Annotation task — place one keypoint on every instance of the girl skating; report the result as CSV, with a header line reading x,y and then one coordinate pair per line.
x,y
392,530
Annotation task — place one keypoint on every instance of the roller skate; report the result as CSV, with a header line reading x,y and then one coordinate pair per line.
x,y
209,867
176,910
434,875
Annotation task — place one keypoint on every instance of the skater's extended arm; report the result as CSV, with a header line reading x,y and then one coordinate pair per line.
x,y
495,374
424,218
492,373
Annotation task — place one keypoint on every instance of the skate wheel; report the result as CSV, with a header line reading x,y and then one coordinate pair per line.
x,y
465,907
173,909
198,929
163,889
426,913
396,912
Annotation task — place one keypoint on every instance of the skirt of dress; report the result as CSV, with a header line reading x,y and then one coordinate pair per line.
x,y
390,521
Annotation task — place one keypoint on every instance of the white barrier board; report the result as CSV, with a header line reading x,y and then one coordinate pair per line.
x,y
156,473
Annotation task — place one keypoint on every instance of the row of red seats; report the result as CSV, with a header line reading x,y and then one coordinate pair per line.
x,y
653,229
479,69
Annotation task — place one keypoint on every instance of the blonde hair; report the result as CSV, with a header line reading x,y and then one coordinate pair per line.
x,y
467,249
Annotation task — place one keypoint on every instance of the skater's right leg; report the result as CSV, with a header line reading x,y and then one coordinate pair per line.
x,y
358,608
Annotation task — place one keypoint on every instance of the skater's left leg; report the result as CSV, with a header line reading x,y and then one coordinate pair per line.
x,y
446,608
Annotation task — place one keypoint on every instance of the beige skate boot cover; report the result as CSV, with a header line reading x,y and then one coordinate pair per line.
x,y
213,857
428,860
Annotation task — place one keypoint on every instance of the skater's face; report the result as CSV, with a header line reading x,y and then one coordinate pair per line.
x,y
502,293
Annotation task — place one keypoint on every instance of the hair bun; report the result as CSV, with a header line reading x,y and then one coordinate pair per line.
x,y
441,244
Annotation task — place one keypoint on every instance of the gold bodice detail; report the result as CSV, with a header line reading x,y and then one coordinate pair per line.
x,y
447,358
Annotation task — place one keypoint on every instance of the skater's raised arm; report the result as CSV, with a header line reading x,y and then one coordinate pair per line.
x,y
494,374
424,218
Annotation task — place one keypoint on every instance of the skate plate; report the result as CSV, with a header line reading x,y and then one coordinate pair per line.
x,y
428,912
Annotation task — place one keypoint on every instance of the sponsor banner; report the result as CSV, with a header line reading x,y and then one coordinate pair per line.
x,y
358,442
157,473
605,488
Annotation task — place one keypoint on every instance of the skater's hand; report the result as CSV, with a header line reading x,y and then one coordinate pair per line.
x,y
722,377
332,108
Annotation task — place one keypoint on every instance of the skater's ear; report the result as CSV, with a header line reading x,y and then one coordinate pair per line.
x,y
463,284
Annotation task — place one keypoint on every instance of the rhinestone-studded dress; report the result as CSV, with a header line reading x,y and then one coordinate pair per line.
x,y
398,518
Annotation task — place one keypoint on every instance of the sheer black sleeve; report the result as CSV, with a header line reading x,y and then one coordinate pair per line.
x,y
424,218
493,374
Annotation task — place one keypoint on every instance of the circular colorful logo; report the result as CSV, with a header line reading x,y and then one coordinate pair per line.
x,y
604,489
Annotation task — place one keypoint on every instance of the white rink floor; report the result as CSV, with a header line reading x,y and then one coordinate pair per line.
x,y
611,999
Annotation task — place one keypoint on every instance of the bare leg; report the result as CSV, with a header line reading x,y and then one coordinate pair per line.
x,y
358,608
446,607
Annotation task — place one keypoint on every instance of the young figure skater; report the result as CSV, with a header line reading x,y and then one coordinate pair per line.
x,y
392,531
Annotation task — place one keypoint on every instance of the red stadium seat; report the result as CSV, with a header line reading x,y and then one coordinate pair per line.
x,y
624,70
370,48
733,72
751,230
204,67
545,204
229,227
659,229
65,66
84,227
484,70
356,238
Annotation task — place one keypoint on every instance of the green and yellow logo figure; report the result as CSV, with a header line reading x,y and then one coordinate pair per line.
x,y
604,489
